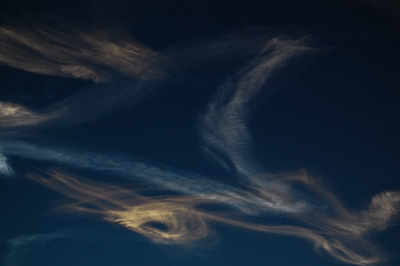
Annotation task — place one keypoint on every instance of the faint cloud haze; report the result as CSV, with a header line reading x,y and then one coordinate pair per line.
x,y
23,244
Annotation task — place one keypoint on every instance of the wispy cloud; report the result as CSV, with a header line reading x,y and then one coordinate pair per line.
x,y
126,71
14,115
184,182
5,169
21,245
336,231
224,124
57,47
90,103
314,214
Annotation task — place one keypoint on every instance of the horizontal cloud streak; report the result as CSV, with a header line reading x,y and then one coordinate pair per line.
x,y
277,200
59,48
90,103
128,70
342,235
124,69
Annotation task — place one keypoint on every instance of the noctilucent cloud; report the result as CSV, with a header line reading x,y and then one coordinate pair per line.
x,y
190,132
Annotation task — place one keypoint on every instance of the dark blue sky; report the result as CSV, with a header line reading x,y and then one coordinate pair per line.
x,y
199,132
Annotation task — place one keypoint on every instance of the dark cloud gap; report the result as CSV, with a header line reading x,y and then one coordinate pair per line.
x,y
165,20
340,103
28,89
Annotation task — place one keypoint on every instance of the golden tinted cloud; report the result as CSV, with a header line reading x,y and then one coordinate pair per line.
x,y
60,48
182,219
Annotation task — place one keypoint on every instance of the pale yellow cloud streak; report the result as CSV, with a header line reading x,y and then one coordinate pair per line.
x,y
334,230
12,115
60,48
183,223
126,69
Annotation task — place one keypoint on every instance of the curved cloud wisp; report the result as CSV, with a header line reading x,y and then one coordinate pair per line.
x,y
224,124
182,220
314,214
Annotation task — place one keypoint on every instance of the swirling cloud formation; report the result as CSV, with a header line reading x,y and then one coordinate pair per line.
x,y
341,233
312,213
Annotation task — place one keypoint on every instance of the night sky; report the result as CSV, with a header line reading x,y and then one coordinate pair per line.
x,y
199,132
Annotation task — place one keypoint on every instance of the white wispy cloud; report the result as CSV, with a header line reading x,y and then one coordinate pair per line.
x,y
21,245
5,168
186,183
224,124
